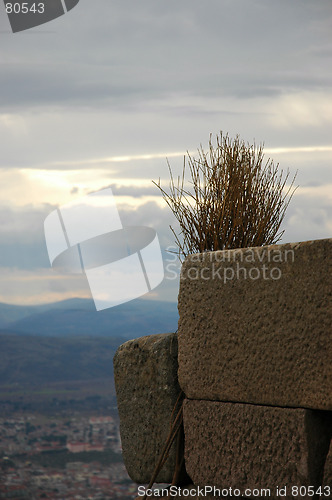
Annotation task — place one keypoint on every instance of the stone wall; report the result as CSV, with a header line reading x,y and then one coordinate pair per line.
x,y
255,365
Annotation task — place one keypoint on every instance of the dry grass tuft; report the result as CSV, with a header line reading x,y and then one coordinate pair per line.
x,y
236,199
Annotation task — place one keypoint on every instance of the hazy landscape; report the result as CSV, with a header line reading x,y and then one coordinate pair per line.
x,y
56,376
78,317
66,348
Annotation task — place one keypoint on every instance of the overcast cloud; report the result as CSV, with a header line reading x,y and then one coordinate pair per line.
x,y
102,95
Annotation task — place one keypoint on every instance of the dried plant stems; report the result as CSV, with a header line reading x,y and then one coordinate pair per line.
x,y
235,199
176,426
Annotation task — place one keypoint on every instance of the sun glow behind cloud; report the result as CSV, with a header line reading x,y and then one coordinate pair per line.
x,y
22,187
58,182
30,187
40,286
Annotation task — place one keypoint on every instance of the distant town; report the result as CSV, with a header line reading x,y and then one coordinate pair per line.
x,y
59,425
62,457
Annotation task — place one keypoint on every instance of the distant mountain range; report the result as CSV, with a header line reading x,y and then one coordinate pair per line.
x,y
70,341
78,317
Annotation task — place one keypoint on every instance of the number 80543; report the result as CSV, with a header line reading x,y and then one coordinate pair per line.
x,y
24,8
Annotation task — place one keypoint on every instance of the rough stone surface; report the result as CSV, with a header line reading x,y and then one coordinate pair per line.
x,y
250,446
145,373
247,336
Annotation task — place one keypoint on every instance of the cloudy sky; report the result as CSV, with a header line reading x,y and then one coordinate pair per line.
x,y
102,95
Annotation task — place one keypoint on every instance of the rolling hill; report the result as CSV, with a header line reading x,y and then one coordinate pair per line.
x,y
36,361
78,317
46,347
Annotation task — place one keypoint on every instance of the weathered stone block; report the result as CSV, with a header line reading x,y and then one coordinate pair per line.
x,y
255,325
328,470
242,446
145,373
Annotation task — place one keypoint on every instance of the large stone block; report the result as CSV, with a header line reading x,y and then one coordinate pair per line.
x,y
251,447
255,325
145,373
